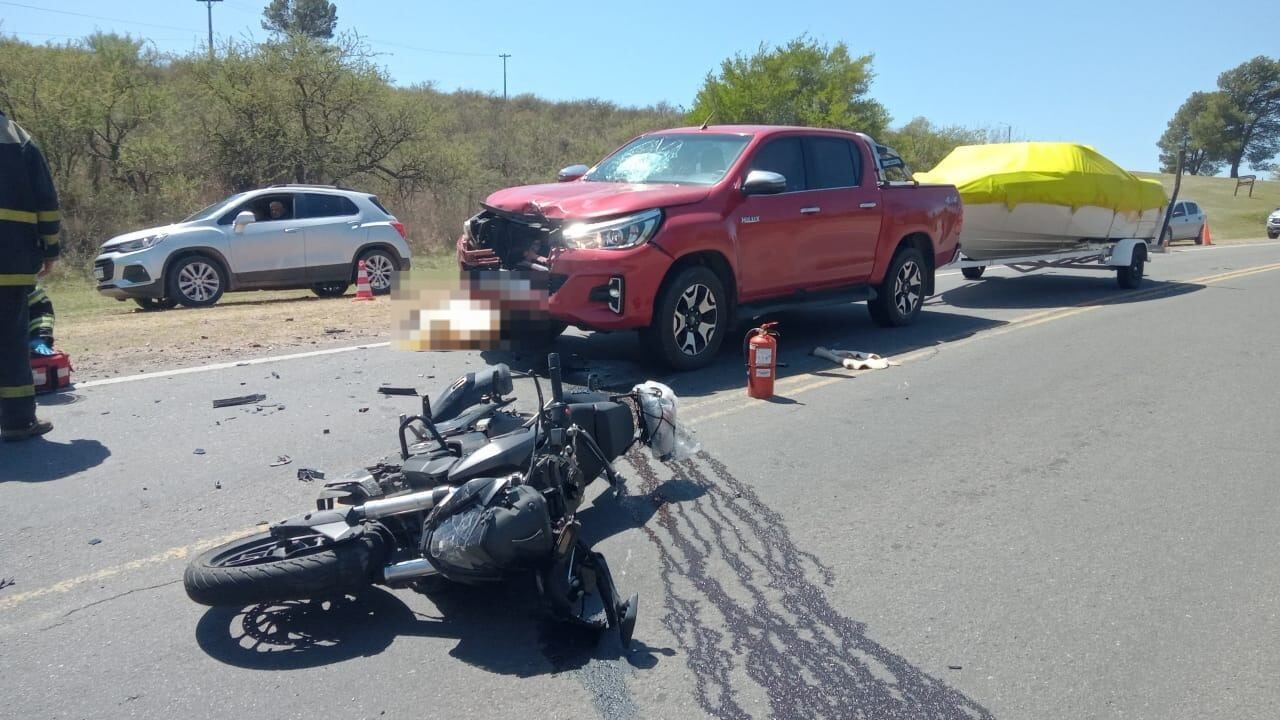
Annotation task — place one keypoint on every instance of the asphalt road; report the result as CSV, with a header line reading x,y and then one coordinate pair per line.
x,y
1062,504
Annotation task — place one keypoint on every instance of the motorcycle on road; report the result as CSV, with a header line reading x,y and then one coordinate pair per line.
x,y
483,493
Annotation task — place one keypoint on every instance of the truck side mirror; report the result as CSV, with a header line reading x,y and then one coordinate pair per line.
x,y
571,173
243,218
764,182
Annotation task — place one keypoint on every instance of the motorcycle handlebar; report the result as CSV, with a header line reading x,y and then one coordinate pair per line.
x,y
553,369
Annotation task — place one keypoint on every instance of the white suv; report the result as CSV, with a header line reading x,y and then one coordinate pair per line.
x,y
277,238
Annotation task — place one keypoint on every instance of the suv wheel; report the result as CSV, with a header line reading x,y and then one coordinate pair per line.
x,y
690,319
1200,236
196,281
381,267
330,289
901,294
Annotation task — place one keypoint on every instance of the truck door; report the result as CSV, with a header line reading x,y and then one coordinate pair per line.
x,y
333,232
837,242
768,225
270,250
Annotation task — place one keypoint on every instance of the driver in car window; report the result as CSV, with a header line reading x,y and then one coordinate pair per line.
x,y
276,210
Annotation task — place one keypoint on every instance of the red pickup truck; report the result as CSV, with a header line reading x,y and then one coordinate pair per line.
x,y
681,233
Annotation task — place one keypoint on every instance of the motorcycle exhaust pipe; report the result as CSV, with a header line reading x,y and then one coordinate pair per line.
x,y
408,570
412,502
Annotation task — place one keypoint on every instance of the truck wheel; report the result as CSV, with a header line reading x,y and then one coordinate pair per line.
x,y
196,281
689,320
972,273
381,267
901,294
1273,235
1130,277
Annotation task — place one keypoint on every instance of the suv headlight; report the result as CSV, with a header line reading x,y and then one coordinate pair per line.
x,y
617,234
141,243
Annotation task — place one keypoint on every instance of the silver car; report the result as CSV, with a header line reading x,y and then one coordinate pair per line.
x,y
1186,223
1273,224
277,238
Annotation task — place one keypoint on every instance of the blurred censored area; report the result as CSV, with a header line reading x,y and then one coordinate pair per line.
x,y
472,310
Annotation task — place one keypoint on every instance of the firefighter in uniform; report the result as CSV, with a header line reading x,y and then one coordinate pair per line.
x,y
29,227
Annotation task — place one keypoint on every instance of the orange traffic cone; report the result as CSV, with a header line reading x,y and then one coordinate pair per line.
x,y
1204,234
363,291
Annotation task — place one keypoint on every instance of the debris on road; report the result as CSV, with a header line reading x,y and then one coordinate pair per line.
x,y
241,400
307,475
282,460
953,667
854,359
364,409
217,484
326,431
387,390
275,374
95,541
334,331
7,582
198,451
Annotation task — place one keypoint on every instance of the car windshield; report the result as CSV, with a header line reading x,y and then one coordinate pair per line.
x,y
693,159
213,209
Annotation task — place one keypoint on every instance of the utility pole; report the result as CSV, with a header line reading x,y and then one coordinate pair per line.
x,y
504,57
209,4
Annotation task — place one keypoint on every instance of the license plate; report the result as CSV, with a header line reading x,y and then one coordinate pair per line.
x,y
98,274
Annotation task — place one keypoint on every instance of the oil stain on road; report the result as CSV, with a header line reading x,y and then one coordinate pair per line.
x,y
742,605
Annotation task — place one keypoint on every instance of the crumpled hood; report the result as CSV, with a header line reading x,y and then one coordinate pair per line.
x,y
138,234
581,200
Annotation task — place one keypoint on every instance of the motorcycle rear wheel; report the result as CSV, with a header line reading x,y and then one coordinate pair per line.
x,y
264,568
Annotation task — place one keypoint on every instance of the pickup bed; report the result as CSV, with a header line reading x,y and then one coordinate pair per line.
x,y
681,233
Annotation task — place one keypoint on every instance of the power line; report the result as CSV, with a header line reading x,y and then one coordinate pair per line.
x,y
21,33
429,50
96,17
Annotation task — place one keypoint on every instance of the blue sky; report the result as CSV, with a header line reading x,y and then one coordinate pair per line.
x,y
1109,74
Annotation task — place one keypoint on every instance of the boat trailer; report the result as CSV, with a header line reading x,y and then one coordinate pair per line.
x,y
1127,257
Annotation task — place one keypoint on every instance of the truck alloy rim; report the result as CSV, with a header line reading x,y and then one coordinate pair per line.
x,y
379,269
696,317
198,281
906,288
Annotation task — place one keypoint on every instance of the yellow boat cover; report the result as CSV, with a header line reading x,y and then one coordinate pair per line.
x,y
1044,172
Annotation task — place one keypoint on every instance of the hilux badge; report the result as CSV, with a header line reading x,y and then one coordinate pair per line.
x,y
750,219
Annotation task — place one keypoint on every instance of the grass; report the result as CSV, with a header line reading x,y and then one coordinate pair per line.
x,y
1232,218
76,298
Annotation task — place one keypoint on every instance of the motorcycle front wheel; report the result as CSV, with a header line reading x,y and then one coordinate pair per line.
x,y
265,568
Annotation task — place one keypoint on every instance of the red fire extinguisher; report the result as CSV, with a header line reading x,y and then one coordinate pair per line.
x,y
761,349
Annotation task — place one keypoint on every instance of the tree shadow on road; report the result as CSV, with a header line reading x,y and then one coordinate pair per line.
x,y
1046,290
497,627
42,460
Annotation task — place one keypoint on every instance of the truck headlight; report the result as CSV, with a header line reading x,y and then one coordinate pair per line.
x,y
617,234
141,243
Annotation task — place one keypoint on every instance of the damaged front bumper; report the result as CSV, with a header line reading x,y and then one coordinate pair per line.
x,y
594,289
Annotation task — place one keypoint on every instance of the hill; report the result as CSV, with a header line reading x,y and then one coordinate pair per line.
x,y
1232,218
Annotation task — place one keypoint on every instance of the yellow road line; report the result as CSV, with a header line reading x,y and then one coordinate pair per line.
x,y
177,553
798,384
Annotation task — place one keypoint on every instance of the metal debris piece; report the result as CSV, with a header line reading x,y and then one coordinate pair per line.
x,y
282,460
7,582
199,451
326,431
241,400
953,667
217,484
308,474
275,374
334,331
386,390
364,409
95,541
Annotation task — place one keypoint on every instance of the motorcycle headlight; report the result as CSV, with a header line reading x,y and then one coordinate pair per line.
x,y
141,243
617,234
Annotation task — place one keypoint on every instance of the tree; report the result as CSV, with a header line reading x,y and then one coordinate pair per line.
x,y
1248,108
313,18
922,145
1192,126
801,83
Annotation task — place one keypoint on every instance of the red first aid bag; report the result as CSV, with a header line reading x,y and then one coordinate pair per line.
x,y
51,372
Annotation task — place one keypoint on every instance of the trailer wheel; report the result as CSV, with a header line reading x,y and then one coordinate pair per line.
x,y
973,273
1130,277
